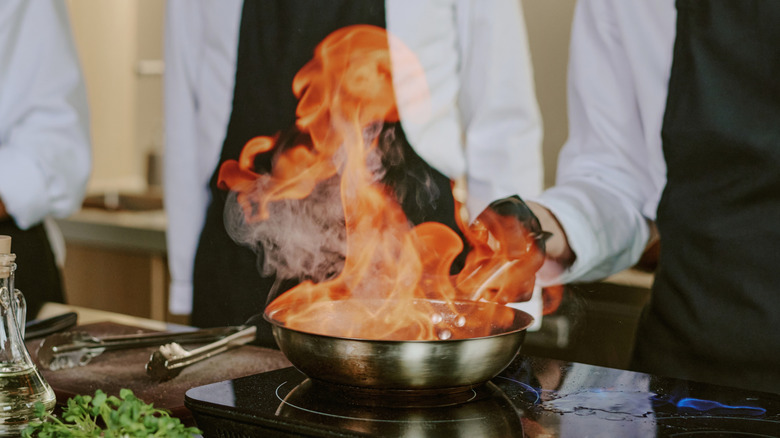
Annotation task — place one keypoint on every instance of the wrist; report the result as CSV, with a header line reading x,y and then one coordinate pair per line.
x,y
557,245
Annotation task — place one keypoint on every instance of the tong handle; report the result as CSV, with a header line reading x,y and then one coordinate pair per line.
x,y
39,328
239,338
149,339
164,365
164,336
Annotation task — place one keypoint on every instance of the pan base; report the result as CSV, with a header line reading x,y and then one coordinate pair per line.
x,y
401,398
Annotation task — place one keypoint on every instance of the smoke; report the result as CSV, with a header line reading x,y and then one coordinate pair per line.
x,y
306,238
300,239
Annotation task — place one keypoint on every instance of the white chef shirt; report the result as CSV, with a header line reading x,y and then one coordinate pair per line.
x,y
611,171
484,121
45,156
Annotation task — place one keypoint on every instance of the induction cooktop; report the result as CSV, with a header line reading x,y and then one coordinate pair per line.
x,y
532,397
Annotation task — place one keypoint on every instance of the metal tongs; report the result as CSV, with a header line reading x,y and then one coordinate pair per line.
x,y
76,348
170,359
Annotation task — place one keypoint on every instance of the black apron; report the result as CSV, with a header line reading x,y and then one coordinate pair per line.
x,y
37,274
715,307
277,37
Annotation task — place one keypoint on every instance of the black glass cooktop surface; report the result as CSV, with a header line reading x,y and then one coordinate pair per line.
x,y
533,397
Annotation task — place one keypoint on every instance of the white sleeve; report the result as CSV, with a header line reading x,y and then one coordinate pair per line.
x,y
603,177
183,191
45,156
497,102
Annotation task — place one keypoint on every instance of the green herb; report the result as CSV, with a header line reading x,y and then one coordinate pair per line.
x,y
108,417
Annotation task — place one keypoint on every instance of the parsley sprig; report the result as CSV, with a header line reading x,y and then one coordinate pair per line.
x,y
108,417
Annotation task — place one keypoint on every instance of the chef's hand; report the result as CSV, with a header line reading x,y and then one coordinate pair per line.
x,y
508,248
518,218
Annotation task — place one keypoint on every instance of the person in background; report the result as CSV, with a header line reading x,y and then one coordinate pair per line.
x,y
45,156
226,84
674,111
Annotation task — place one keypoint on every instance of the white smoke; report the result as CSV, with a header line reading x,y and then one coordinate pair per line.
x,y
302,238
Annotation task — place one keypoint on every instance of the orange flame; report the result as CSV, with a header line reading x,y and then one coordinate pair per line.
x,y
391,268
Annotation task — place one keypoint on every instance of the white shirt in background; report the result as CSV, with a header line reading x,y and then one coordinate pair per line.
x,y
45,156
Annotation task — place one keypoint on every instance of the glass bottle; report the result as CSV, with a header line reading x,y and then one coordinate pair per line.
x,y
21,384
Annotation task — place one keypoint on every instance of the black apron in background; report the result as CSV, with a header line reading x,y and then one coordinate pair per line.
x,y
37,274
277,37
715,308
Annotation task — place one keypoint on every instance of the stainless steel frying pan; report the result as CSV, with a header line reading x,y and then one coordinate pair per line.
x,y
412,364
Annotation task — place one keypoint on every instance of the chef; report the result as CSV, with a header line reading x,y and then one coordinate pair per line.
x,y
226,84
44,140
675,121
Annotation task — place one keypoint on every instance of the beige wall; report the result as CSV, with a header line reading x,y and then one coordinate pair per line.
x,y
116,41
120,45
549,23
149,121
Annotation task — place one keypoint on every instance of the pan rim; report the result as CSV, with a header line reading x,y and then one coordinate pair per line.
x,y
529,320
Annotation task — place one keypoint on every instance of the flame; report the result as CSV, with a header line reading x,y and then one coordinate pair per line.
x,y
552,296
392,271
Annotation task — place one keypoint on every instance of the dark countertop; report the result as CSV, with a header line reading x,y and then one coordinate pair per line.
x,y
115,370
533,397
571,399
